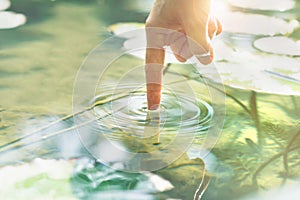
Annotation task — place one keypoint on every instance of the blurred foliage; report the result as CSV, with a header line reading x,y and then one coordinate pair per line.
x,y
185,175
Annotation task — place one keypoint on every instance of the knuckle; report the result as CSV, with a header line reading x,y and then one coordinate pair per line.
x,y
149,23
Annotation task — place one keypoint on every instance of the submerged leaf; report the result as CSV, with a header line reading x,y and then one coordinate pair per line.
x,y
4,4
187,176
256,24
276,5
278,45
11,19
262,73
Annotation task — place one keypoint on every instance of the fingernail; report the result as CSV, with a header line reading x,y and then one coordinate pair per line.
x,y
204,59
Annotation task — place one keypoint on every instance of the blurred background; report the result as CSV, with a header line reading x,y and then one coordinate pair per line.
x,y
42,46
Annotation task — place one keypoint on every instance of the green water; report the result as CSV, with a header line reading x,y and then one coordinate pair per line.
x,y
38,66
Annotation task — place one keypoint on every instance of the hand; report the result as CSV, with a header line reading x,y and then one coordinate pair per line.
x,y
188,27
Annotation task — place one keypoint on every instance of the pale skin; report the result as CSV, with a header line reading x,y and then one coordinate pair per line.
x,y
189,28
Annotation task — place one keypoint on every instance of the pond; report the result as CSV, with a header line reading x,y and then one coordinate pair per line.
x,y
48,146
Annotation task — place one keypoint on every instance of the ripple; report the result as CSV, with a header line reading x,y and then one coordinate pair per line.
x,y
130,116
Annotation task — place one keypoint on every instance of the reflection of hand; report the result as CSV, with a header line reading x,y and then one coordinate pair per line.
x,y
152,128
196,27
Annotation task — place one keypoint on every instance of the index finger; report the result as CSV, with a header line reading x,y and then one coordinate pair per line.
x,y
154,72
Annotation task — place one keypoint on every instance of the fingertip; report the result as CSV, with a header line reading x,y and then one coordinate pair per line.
x,y
206,58
219,26
180,59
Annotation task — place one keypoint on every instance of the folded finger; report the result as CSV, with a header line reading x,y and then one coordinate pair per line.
x,y
179,46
